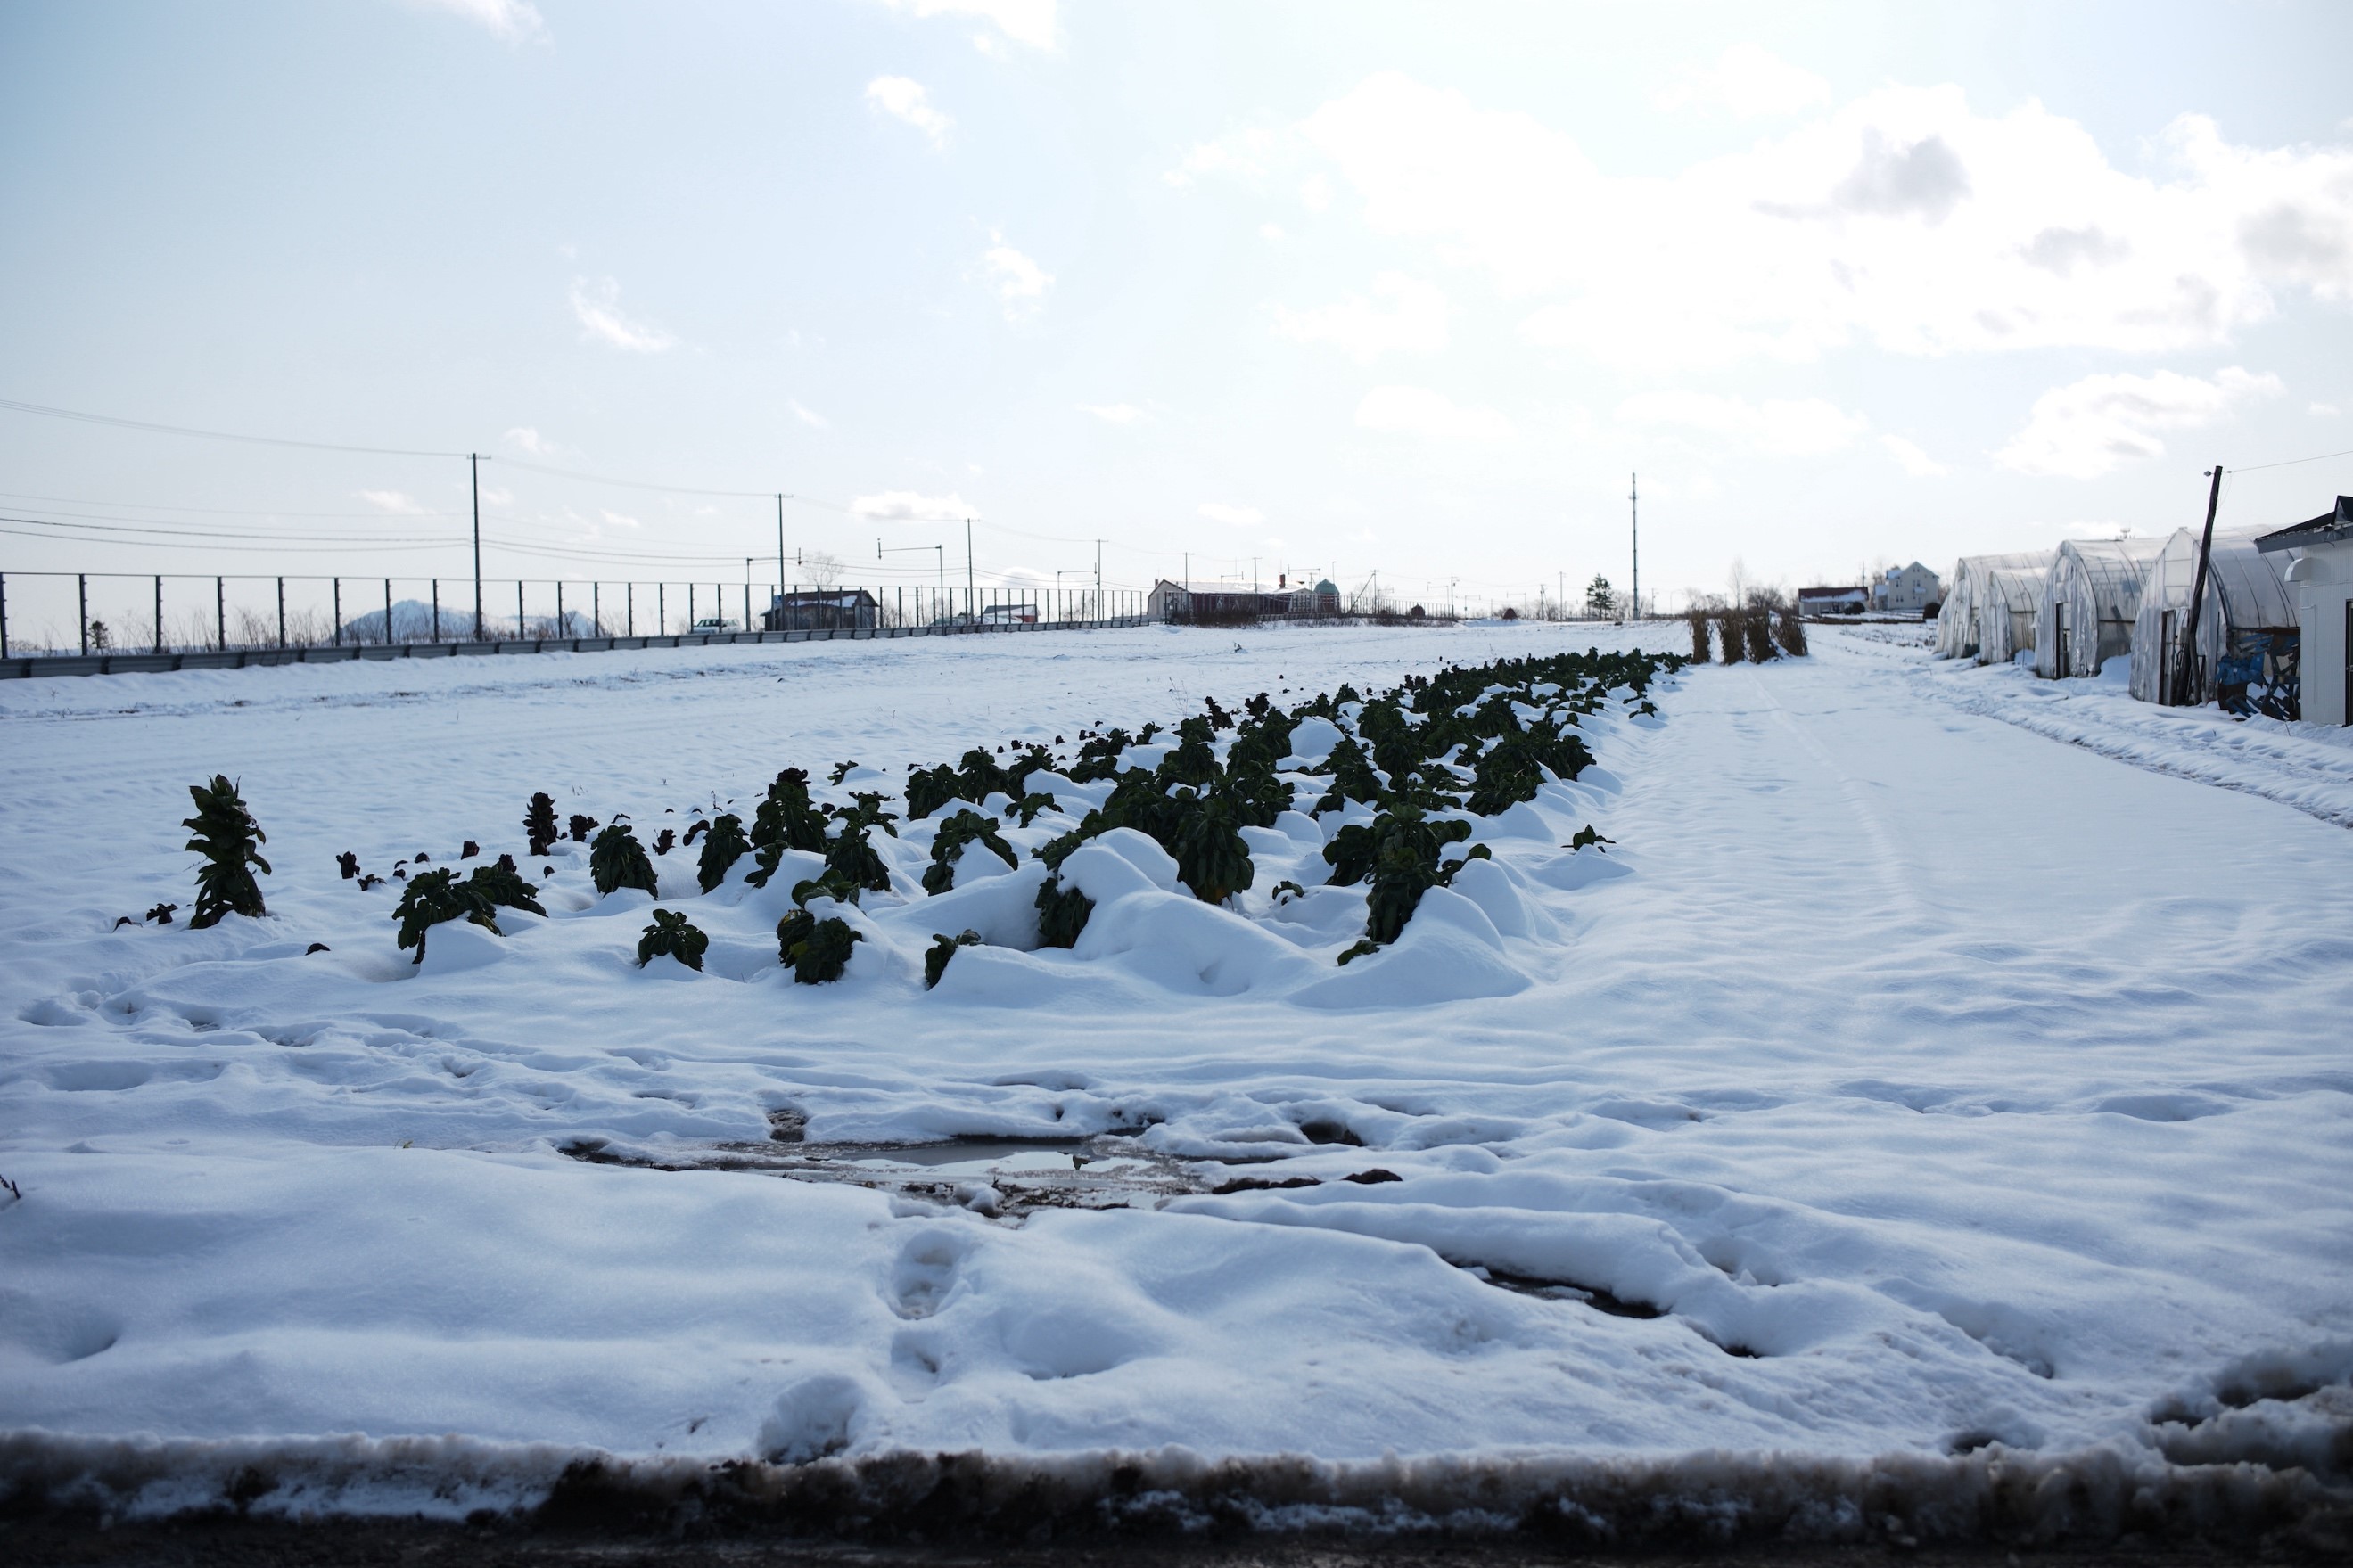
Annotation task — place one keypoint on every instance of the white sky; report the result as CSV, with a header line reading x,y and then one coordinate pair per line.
x,y
1335,286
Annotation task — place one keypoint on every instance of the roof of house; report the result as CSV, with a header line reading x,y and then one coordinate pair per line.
x,y
823,596
1830,592
2328,527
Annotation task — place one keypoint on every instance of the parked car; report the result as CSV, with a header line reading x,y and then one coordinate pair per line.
x,y
713,626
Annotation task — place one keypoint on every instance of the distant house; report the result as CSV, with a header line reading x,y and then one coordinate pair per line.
x,y
1911,590
1173,601
1832,601
821,609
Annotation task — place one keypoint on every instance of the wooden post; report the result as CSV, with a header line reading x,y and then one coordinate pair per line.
x,y
281,611
81,594
159,611
387,612
220,613
336,598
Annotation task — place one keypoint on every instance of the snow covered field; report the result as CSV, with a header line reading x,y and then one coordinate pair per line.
x,y
1905,1101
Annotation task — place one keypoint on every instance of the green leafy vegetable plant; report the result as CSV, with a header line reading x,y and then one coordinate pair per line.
x,y
434,897
1062,914
223,832
724,846
966,827
817,950
670,933
539,823
943,948
616,860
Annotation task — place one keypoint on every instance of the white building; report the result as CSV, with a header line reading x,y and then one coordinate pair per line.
x,y
1911,590
2322,577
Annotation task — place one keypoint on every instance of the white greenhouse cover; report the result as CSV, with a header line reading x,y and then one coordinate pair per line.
x,y
1956,622
2244,591
2089,599
2007,598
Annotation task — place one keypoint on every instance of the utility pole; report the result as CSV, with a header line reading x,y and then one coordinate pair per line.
x,y
1099,598
2185,677
474,467
1634,512
968,591
780,562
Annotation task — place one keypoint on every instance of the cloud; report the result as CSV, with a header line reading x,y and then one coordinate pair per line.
x,y
1903,219
1029,22
1748,79
618,519
509,21
397,502
1416,411
1401,313
1112,412
815,421
1020,283
526,441
1776,428
2323,410
1232,516
1925,180
2084,429
905,97
599,309
1249,156
1913,461
908,506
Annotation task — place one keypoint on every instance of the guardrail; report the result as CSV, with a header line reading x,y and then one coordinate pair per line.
x,y
32,667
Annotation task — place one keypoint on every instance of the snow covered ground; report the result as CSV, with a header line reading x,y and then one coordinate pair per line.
x,y
1901,1088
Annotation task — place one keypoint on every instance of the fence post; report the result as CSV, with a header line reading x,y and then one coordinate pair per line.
x,y
629,603
337,600
690,604
520,634
281,611
387,612
220,613
4,615
159,611
596,608
436,609
661,609
82,598
562,627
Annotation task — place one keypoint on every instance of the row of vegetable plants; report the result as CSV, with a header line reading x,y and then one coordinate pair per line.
x,y
1414,768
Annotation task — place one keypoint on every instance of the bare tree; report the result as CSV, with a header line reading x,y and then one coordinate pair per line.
x,y
820,569
1737,579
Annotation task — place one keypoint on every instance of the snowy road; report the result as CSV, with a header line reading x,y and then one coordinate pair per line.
x,y
1902,1083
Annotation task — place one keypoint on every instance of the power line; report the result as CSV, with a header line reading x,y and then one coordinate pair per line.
x,y
635,484
2289,462
14,406
380,515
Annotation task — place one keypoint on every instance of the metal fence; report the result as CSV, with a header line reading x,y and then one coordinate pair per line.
x,y
118,622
